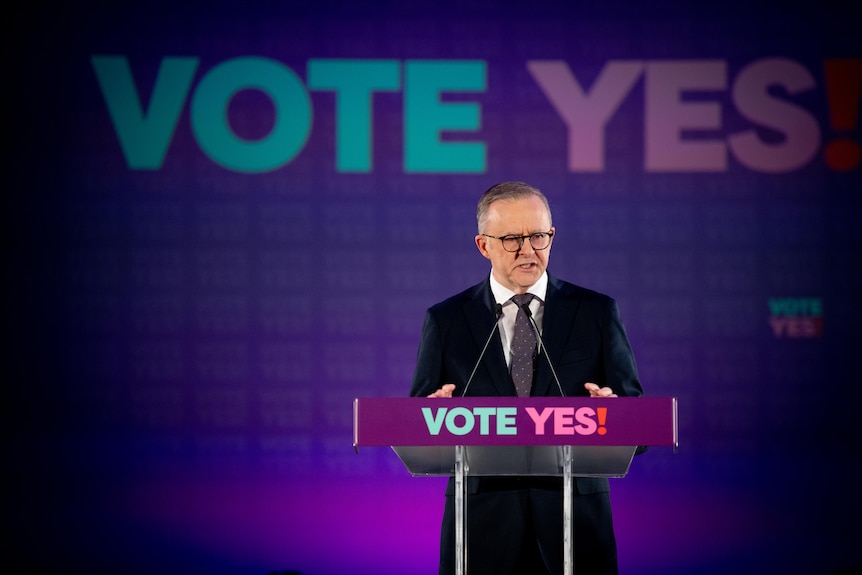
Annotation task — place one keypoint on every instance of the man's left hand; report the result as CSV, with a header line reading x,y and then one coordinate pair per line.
x,y
596,391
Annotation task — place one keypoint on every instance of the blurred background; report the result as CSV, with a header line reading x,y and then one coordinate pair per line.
x,y
223,221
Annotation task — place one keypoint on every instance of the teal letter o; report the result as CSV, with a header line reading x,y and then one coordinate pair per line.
x,y
212,130
453,427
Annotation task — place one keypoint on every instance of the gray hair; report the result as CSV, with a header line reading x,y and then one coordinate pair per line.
x,y
506,191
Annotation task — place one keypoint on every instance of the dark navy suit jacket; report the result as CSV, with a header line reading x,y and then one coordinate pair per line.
x,y
584,337
582,331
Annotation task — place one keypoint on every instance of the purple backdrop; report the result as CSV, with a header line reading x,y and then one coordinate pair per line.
x,y
224,222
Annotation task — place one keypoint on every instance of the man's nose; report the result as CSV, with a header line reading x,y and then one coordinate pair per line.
x,y
526,247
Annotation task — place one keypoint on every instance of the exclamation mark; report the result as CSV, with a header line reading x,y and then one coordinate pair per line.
x,y
602,412
843,78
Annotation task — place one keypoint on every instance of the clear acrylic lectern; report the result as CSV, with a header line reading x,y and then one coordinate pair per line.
x,y
567,437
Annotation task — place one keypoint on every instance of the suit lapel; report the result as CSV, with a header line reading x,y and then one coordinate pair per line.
x,y
479,311
559,314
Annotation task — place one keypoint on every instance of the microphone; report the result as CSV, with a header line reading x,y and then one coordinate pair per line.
x,y
529,313
498,313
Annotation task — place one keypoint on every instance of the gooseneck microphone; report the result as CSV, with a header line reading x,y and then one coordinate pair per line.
x,y
498,313
526,308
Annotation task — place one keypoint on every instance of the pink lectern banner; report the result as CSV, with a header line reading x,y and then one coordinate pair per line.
x,y
515,421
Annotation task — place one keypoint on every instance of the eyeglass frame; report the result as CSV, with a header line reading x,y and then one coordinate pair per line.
x,y
550,233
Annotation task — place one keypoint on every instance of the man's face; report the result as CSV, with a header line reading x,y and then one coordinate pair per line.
x,y
516,270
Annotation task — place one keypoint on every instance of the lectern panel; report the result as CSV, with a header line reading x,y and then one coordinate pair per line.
x,y
534,460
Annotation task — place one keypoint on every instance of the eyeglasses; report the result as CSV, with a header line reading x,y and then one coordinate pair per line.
x,y
539,241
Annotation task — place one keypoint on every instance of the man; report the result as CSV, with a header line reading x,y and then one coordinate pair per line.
x,y
515,523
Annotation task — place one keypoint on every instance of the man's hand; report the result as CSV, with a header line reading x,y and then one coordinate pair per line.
x,y
596,391
445,391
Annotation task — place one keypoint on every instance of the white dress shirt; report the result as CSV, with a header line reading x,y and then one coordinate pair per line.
x,y
503,296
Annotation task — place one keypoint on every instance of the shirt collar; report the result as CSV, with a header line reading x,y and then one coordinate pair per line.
x,y
503,294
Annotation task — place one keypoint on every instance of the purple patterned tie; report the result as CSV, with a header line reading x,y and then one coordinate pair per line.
x,y
523,347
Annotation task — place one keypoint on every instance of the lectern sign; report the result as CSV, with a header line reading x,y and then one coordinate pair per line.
x,y
462,420
515,421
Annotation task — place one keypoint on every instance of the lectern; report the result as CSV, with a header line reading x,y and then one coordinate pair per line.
x,y
524,436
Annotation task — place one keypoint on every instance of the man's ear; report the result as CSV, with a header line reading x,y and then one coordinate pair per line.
x,y
482,244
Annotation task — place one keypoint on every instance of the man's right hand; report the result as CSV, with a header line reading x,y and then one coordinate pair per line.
x,y
445,391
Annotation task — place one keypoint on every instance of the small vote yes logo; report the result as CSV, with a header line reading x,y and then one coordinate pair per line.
x,y
796,318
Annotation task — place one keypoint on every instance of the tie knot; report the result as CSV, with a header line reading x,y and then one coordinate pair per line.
x,y
523,298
